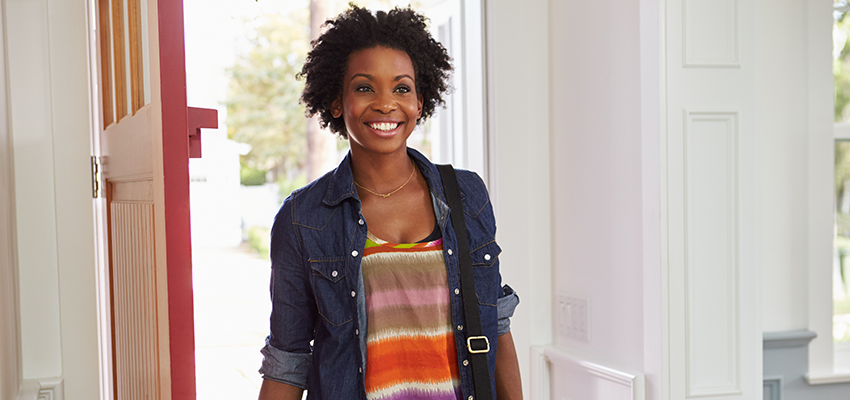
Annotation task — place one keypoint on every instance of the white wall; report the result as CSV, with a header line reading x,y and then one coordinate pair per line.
x,y
794,105
49,109
519,85
31,115
782,98
595,97
569,81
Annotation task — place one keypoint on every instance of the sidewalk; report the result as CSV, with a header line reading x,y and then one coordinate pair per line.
x,y
232,309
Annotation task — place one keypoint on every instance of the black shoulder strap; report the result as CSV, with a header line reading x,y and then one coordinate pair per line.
x,y
476,343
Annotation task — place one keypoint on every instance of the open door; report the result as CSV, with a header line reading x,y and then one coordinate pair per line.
x,y
144,146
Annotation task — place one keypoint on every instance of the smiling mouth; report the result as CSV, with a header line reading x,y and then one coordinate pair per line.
x,y
385,126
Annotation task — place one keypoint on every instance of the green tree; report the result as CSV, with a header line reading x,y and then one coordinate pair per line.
x,y
262,99
841,66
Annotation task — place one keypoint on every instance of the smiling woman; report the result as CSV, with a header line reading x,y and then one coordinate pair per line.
x,y
386,254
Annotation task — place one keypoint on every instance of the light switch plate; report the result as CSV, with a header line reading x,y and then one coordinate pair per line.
x,y
573,317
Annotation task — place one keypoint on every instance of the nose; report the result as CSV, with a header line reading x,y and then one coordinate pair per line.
x,y
384,103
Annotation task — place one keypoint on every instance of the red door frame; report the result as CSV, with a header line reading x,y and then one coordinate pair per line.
x,y
175,156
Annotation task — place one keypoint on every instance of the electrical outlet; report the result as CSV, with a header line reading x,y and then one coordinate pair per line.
x,y
573,318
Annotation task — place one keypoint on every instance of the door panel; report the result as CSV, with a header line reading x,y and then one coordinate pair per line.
x,y
144,150
134,289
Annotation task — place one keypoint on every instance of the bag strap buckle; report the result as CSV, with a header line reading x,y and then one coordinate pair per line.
x,y
480,345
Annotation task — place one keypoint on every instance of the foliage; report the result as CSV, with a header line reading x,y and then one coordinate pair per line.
x,y
262,99
841,72
260,240
286,185
249,176
841,64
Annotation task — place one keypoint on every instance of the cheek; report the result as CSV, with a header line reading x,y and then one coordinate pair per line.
x,y
413,109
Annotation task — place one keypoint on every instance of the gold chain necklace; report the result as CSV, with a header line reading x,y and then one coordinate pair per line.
x,y
390,193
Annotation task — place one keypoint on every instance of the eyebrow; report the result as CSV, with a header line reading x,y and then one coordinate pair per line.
x,y
372,78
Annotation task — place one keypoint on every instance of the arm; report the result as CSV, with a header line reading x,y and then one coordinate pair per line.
x,y
273,390
508,382
287,354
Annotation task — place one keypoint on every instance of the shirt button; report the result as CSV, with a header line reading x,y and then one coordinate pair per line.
x,y
487,257
334,274
457,291
465,362
450,251
354,253
353,293
360,221
460,327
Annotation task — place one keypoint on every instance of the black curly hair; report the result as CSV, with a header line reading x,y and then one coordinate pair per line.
x,y
357,29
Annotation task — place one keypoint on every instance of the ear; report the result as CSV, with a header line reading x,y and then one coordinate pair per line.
x,y
419,99
336,107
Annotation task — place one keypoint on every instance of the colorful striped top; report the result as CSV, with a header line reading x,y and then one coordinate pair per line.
x,y
410,344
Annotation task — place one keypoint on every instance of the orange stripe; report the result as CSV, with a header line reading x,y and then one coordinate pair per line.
x,y
405,359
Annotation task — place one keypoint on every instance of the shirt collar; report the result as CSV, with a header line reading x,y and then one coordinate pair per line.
x,y
342,179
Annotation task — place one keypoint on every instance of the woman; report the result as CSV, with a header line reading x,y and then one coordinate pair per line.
x,y
365,292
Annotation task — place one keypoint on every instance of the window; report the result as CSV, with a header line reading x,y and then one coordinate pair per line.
x,y
841,254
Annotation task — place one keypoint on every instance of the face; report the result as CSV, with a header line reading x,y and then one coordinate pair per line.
x,y
379,103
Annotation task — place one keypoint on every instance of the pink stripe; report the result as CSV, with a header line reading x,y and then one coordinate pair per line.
x,y
407,298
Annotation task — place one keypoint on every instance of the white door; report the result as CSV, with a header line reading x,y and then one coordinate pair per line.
x,y
712,294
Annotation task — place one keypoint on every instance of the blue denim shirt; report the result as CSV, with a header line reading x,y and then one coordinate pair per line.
x,y
318,320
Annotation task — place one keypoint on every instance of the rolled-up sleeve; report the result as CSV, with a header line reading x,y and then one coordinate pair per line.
x,y
506,304
285,367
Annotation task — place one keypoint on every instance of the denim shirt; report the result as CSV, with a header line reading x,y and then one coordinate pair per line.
x,y
318,321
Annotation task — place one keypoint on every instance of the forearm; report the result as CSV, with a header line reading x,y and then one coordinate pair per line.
x,y
508,382
273,390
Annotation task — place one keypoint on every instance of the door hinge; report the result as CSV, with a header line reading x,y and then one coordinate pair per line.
x,y
95,177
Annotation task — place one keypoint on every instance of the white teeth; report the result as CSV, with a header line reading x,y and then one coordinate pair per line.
x,y
384,126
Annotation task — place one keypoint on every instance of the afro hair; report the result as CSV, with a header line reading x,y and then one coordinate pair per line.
x,y
358,29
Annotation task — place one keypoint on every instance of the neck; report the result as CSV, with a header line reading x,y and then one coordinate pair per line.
x,y
382,172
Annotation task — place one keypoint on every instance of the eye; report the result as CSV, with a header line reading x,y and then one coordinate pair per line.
x,y
402,89
363,88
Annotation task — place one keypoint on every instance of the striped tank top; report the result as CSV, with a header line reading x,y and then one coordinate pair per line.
x,y
410,345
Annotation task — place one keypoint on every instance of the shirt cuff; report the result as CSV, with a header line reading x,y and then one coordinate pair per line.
x,y
505,307
285,367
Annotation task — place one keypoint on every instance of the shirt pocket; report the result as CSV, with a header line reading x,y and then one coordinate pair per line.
x,y
486,273
333,296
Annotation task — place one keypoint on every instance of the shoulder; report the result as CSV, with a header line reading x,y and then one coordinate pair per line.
x,y
476,198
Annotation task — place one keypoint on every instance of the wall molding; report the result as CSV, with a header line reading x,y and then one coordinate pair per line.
x,y
787,339
773,388
539,374
10,340
51,389
543,357
42,389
